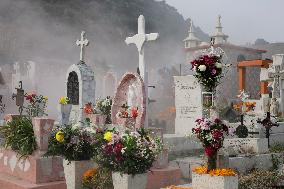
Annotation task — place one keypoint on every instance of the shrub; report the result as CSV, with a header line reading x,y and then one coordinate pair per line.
x,y
19,136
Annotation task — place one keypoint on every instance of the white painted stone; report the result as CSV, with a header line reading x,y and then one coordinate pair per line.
x,y
74,172
128,181
5,160
13,162
187,164
139,40
245,145
27,165
188,103
179,144
205,181
21,164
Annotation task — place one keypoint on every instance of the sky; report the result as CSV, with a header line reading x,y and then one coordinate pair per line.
x,y
243,20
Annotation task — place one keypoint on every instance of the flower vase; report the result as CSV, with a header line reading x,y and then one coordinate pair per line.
x,y
65,110
212,162
74,171
125,181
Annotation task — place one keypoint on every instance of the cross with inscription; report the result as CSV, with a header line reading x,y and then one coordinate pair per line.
x,y
139,40
82,43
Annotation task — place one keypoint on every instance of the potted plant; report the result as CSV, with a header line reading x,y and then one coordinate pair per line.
x,y
128,155
64,109
211,134
75,145
36,105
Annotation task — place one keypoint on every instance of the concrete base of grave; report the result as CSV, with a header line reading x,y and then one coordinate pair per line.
x,y
34,169
159,178
206,181
186,165
236,146
245,163
11,182
181,145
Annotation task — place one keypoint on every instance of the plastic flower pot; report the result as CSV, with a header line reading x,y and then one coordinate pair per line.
x,y
125,181
65,110
74,172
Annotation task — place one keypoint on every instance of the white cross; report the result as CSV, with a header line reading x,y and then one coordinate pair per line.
x,y
82,43
139,40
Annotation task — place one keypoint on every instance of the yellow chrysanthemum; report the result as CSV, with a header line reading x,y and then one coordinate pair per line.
x,y
215,172
59,136
63,100
108,136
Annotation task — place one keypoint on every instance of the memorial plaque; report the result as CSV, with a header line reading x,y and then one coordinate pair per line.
x,y
188,103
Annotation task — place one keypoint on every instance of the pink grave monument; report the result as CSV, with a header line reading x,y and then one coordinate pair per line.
x,y
35,171
131,90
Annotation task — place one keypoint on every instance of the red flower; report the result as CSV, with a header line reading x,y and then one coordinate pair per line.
x,y
210,151
125,114
217,134
88,109
118,158
134,112
117,148
108,149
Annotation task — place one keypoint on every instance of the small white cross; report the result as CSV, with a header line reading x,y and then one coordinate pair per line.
x,y
82,43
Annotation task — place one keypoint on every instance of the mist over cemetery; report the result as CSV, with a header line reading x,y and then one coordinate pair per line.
x,y
130,95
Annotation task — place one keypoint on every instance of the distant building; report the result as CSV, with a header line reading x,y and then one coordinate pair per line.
x,y
228,89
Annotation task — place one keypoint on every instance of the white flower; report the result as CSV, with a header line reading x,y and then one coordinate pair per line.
x,y
76,126
123,150
218,65
202,68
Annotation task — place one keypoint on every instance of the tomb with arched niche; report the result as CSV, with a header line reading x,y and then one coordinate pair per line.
x,y
80,89
130,91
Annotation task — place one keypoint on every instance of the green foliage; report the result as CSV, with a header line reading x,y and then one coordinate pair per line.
x,y
277,148
100,180
19,136
75,146
260,179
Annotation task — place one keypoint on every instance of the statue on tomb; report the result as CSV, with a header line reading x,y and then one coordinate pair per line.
x,y
131,96
274,107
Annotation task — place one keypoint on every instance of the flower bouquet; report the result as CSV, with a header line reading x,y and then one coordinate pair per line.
x,y
211,134
208,70
36,105
76,146
129,155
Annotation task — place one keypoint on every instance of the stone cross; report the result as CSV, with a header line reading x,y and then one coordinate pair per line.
x,y
82,43
139,40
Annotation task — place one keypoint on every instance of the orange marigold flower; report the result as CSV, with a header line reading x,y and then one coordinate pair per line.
x,y
215,172
90,173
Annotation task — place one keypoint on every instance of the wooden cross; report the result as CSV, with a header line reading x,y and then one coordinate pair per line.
x,y
82,43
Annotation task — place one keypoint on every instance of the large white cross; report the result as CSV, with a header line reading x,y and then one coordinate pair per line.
x,y
139,40
82,43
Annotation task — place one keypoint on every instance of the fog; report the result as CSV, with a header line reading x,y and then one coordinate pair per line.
x,y
45,33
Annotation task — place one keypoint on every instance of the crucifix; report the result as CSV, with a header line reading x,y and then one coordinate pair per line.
x,y
139,40
20,97
82,43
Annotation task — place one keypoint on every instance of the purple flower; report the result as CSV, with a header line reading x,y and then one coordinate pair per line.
x,y
213,72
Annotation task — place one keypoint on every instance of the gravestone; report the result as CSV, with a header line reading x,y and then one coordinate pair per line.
x,y
131,90
109,84
80,84
188,103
